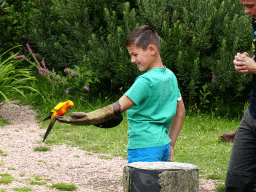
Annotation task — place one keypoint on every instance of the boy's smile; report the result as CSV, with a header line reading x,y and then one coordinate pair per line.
x,y
144,59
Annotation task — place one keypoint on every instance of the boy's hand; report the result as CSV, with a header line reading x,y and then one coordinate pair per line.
x,y
171,154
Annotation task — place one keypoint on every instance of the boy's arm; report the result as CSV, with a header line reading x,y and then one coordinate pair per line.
x,y
125,103
176,125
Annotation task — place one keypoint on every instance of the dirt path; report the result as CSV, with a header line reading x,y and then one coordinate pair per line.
x,y
62,164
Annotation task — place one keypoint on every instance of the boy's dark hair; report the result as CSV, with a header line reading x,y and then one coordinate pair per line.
x,y
142,36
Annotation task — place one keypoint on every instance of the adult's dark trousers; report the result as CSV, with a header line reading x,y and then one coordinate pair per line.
x,y
241,173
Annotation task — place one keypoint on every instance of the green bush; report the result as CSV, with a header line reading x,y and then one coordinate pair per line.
x,y
14,23
199,40
13,80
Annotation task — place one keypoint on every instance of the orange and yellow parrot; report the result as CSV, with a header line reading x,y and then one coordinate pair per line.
x,y
60,110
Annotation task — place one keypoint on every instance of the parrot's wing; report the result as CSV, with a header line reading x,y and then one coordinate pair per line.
x,y
57,107
49,128
48,117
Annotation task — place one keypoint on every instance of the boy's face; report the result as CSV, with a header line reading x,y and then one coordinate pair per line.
x,y
142,58
250,7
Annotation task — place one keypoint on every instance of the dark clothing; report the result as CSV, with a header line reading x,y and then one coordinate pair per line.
x,y
252,106
241,173
242,165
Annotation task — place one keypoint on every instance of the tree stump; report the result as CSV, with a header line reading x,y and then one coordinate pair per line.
x,y
160,176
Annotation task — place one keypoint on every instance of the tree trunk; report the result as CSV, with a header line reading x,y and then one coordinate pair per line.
x,y
160,177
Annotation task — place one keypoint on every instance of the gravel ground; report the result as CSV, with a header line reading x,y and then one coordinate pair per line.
x,y
62,164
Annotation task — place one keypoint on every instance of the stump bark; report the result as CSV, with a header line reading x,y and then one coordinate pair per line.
x,y
160,177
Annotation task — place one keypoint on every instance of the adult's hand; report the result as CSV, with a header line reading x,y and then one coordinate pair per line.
x,y
239,62
250,65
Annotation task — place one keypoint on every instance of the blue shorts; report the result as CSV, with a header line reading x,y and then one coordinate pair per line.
x,y
150,154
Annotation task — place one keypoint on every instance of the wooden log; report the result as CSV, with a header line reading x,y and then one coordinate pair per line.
x,y
160,177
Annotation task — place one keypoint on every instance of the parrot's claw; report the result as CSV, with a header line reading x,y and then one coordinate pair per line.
x,y
62,119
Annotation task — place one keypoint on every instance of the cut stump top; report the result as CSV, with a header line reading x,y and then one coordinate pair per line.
x,y
162,166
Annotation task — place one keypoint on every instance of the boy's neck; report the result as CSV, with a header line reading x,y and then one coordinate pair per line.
x,y
157,63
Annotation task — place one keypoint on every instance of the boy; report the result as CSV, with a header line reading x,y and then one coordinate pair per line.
x,y
241,173
154,103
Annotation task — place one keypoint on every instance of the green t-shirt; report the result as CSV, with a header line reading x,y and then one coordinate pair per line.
x,y
155,95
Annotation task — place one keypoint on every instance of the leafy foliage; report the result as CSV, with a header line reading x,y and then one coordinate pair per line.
x,y
14,22
13,79
199,38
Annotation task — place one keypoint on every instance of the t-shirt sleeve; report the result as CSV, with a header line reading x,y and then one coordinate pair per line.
x,y
139,90
179,95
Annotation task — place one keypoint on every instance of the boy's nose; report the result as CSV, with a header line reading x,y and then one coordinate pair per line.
x,y
133,60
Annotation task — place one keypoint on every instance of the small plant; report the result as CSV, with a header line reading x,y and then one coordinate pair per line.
x,y
204,101
3,190
52,77
1,162
11,168
64,187
38,183
76,156
105,157
4,122
6,178
38,178
23,189
41,161
41,149
12,79
213,176
220,188
22,174
2,153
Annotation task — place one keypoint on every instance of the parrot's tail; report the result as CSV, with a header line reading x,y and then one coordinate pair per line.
x,y
48,117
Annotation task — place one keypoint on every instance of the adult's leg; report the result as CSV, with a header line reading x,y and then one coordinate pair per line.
x,y
241,173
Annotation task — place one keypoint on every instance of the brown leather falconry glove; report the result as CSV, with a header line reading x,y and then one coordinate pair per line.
x,y
106,117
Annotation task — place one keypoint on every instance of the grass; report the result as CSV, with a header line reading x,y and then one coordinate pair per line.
x,y
3,122
6,178
198,142
2,153
64,187
23,189
2,162
22,174
38,178
105,157
41,149
38,183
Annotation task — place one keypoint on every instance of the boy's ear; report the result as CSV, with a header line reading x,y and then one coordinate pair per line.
x,y
153,49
